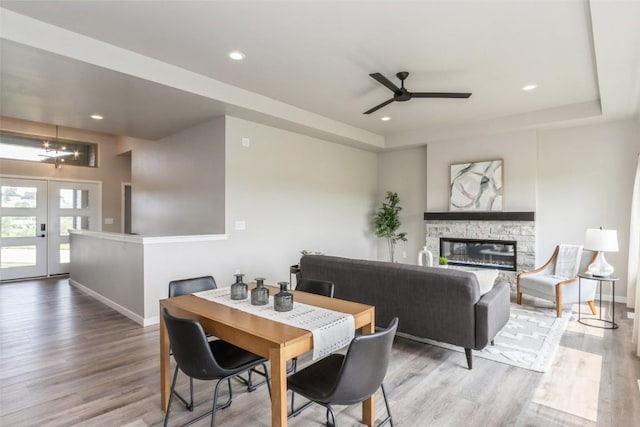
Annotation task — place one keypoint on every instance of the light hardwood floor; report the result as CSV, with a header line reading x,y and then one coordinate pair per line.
x,y
66,359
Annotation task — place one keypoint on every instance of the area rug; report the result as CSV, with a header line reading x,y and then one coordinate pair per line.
x,y
529,340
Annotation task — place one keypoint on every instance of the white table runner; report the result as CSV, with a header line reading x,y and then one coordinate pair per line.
x,y
331,330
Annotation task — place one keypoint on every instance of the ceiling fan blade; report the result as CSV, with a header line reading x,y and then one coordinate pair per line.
x,y
439,95
385,82
377,107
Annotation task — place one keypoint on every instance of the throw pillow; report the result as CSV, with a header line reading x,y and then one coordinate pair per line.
x,y
486,279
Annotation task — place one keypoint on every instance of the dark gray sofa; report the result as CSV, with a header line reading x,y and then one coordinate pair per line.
x,y
440,304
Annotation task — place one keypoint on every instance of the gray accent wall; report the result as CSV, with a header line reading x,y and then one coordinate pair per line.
x,y
178,182
111,270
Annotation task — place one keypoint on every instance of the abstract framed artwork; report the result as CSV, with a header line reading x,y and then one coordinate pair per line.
x,y
476,186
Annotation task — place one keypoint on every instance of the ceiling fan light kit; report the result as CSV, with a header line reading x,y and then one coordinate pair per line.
x,y
400,94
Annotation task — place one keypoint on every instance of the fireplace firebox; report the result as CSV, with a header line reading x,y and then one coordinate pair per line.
x,y
497,254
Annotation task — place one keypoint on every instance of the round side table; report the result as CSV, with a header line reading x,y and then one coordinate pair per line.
x,y
606,324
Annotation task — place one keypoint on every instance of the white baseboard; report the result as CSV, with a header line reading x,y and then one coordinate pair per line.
x,y
117,307
617,298
151,321
606,296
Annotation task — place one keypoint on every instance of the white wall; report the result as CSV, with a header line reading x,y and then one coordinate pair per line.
x,y
517,151
178,182
405,173
585,179
294,192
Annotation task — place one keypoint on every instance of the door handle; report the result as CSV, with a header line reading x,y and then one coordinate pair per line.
x,y
43,235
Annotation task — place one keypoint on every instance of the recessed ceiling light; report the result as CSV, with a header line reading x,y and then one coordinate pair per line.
x,y
385,118
529,87
96,117
236,55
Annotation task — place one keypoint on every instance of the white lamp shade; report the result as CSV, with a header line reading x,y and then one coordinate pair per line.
x,y
601,240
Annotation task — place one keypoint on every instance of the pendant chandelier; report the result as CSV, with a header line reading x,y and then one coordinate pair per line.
x,y
57,151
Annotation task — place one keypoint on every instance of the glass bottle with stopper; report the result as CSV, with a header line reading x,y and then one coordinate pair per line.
x,y
259,294
239,290
283,300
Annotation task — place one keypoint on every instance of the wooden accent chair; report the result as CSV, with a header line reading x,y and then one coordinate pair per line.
x,y
557,279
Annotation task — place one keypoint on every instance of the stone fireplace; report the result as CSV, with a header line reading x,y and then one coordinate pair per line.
x,y
490,232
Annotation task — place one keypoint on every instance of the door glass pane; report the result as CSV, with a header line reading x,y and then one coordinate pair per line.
x,y
18,256
18,226
65,253
19,197
74,199
73,222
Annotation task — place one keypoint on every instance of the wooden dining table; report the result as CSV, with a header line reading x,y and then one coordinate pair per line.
x,y
273,340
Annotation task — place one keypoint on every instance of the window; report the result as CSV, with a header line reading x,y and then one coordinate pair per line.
x,y
65,253
19,197
18,256
47,150
18,226
73,199
73,222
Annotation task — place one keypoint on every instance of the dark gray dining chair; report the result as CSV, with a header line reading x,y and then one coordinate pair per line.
x,y
186,287
347,379
318,287
190,286
202,359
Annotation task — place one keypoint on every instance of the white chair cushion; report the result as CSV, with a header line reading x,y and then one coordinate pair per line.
x,y
540,286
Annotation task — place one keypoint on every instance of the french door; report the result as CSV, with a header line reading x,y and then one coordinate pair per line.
x,y
72,205
36,217
23,228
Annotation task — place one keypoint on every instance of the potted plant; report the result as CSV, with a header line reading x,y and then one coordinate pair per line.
x,y
443,261
387,222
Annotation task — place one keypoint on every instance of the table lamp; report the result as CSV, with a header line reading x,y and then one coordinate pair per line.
x,y
601,241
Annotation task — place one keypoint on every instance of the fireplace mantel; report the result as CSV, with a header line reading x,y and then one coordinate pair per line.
x,y
479,216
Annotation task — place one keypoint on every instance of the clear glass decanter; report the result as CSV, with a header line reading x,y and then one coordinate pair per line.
x,y
283,300
259,294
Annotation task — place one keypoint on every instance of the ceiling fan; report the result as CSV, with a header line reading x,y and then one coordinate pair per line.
x,y
401,94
